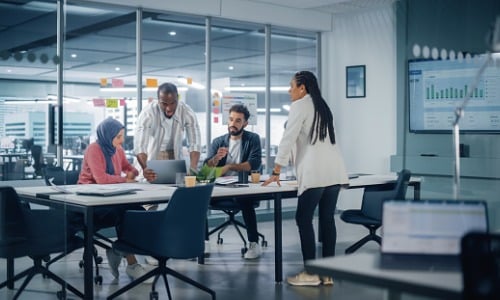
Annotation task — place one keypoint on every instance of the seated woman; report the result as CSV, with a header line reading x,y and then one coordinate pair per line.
x,y
104,162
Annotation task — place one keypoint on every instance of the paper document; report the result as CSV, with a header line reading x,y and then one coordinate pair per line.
x,y
226,180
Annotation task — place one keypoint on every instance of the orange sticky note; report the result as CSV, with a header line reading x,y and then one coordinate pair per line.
x,y
151,82
189,80
104,82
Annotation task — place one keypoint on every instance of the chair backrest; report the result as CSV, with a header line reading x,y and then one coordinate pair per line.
x,y
373,197
59,176
12,225
36,154
480,259
183,229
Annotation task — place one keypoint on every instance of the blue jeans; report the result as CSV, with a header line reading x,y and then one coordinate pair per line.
x,y
326,197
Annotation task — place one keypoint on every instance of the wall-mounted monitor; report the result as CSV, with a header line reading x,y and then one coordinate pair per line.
x,y
437,87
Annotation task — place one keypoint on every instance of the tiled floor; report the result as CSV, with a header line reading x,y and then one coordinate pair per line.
x,y
225,272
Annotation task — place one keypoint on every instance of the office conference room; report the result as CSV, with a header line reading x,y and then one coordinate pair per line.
x,y
249,51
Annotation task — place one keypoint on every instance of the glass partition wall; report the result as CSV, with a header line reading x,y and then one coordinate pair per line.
x,y
107,54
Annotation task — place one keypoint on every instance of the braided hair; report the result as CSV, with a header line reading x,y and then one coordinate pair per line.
x,y
323,118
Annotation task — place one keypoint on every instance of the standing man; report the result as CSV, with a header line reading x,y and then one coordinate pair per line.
x,y
162,126
239,150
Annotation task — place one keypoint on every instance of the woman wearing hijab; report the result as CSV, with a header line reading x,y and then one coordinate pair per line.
x,y
104,162
319,167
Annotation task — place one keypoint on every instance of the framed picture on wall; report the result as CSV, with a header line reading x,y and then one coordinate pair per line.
x,y
355,81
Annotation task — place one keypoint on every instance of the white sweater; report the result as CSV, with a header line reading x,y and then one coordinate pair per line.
x,y
317,165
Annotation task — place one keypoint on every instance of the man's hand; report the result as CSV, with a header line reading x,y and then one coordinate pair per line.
x,y
149,174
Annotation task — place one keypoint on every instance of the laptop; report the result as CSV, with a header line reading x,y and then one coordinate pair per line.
x,y
166,170
426,234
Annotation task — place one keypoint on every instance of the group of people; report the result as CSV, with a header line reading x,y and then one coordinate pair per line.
x,y
162,125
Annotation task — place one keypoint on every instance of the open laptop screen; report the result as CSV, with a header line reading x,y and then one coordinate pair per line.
x,y
430,227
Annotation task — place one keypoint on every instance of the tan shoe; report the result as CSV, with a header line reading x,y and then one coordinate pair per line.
x,y
304,279
327,280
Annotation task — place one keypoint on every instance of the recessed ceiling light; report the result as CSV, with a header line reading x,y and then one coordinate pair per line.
x,y
231,67
73,55
9,70
172,33
117,69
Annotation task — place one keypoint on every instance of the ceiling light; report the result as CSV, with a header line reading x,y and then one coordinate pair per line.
x,y
117,69
255,88
271,110
231,67
134,89
73,55
172,33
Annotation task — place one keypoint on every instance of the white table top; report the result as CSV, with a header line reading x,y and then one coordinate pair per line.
x,y
157,192
147,193
364,268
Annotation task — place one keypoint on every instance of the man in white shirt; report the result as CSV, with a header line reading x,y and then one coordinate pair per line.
x,y
162,126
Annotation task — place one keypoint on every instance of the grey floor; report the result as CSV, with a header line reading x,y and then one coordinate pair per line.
x,y
225,272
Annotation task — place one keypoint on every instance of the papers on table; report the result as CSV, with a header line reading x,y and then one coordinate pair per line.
x,y
96,189
226,180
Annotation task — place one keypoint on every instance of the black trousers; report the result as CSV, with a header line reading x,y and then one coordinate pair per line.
x,y
326,198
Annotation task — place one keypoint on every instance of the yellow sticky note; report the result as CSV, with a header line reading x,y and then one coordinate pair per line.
x,y
112,103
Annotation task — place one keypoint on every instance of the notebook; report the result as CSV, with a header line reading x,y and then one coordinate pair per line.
x,y
166,170
425,235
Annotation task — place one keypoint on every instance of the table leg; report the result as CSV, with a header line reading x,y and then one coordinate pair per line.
x,y
278,254
392,295
416,191
88,268
10,272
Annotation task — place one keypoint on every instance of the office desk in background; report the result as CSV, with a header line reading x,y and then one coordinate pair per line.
x,y
153,193
364,268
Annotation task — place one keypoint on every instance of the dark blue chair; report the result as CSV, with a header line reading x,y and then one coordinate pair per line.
x,y
480,261
34,233
59,176
370,214
177,232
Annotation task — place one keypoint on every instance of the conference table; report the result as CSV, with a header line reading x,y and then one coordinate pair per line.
x,y
365,268
147,193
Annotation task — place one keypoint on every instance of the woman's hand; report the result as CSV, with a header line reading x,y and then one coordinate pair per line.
x,y
272,178
149,174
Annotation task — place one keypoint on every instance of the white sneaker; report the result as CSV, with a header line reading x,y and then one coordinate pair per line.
x,y
304,279
137,270
114,260
151,261
253,251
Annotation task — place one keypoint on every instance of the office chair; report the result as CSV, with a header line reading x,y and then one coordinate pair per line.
x,y
231,208
370,214
177,232
480,259
33,233
58,176
37,158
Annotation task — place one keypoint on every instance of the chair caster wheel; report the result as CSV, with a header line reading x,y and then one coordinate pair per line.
x,y
80,264
98,260
46,258
220,241
153,296
244,250
98,280
264,243
61,295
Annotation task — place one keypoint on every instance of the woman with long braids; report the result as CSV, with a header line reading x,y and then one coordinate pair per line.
x,y
319,167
